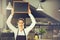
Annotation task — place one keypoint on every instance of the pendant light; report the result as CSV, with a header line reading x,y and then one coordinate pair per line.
x,y
59,10
9,6
40,8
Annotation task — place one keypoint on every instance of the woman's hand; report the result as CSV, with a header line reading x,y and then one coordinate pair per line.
x,y
12,11
29,11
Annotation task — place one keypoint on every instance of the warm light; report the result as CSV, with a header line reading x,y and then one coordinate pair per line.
x,y
59,10
9,7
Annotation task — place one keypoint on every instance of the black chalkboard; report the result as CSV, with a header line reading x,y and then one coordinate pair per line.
x,y
21,7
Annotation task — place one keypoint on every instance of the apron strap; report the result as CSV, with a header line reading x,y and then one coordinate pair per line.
x,y
23,30
17,31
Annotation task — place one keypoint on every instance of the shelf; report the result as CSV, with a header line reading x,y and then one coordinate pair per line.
x,y
21,12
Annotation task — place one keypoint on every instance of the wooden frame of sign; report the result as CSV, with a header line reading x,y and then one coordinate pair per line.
x,y
21,7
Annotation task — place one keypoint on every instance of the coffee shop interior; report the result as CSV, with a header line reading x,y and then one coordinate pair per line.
x,y
46,13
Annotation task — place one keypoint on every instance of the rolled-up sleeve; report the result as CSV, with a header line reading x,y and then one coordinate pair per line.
x,y
8,22
29,28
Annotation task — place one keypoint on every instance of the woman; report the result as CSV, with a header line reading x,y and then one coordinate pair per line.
x,y
20,32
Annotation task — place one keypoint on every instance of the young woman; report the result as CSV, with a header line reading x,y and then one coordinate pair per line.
x,y
21,32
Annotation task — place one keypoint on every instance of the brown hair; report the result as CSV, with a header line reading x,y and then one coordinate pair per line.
x,y
21,19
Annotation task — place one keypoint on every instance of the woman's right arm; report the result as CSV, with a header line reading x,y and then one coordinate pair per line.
x,y
9,21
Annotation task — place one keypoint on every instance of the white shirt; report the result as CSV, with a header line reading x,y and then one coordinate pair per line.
x,y
27,29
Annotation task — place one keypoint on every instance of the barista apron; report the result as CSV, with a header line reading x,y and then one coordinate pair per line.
x,y
21,37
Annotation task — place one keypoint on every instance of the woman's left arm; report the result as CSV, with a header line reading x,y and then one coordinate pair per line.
x,y
28,29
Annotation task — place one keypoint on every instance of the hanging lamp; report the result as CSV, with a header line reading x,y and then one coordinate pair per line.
x,y
9,6
59,10
39,8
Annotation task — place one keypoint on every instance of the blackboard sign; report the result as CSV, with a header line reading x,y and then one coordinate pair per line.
x,y
20,7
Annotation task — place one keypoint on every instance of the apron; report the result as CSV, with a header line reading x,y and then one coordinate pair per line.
x,y
21,37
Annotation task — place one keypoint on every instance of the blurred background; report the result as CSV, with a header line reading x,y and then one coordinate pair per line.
x,y
47,17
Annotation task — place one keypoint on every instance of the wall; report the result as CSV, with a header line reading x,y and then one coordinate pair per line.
x,y
2,13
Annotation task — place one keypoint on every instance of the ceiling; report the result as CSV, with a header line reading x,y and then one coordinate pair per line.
x,y
50,7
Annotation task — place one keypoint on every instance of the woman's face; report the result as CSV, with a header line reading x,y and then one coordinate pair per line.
x,y
21,24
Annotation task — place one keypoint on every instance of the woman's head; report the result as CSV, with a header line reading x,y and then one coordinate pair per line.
x,y
20,23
